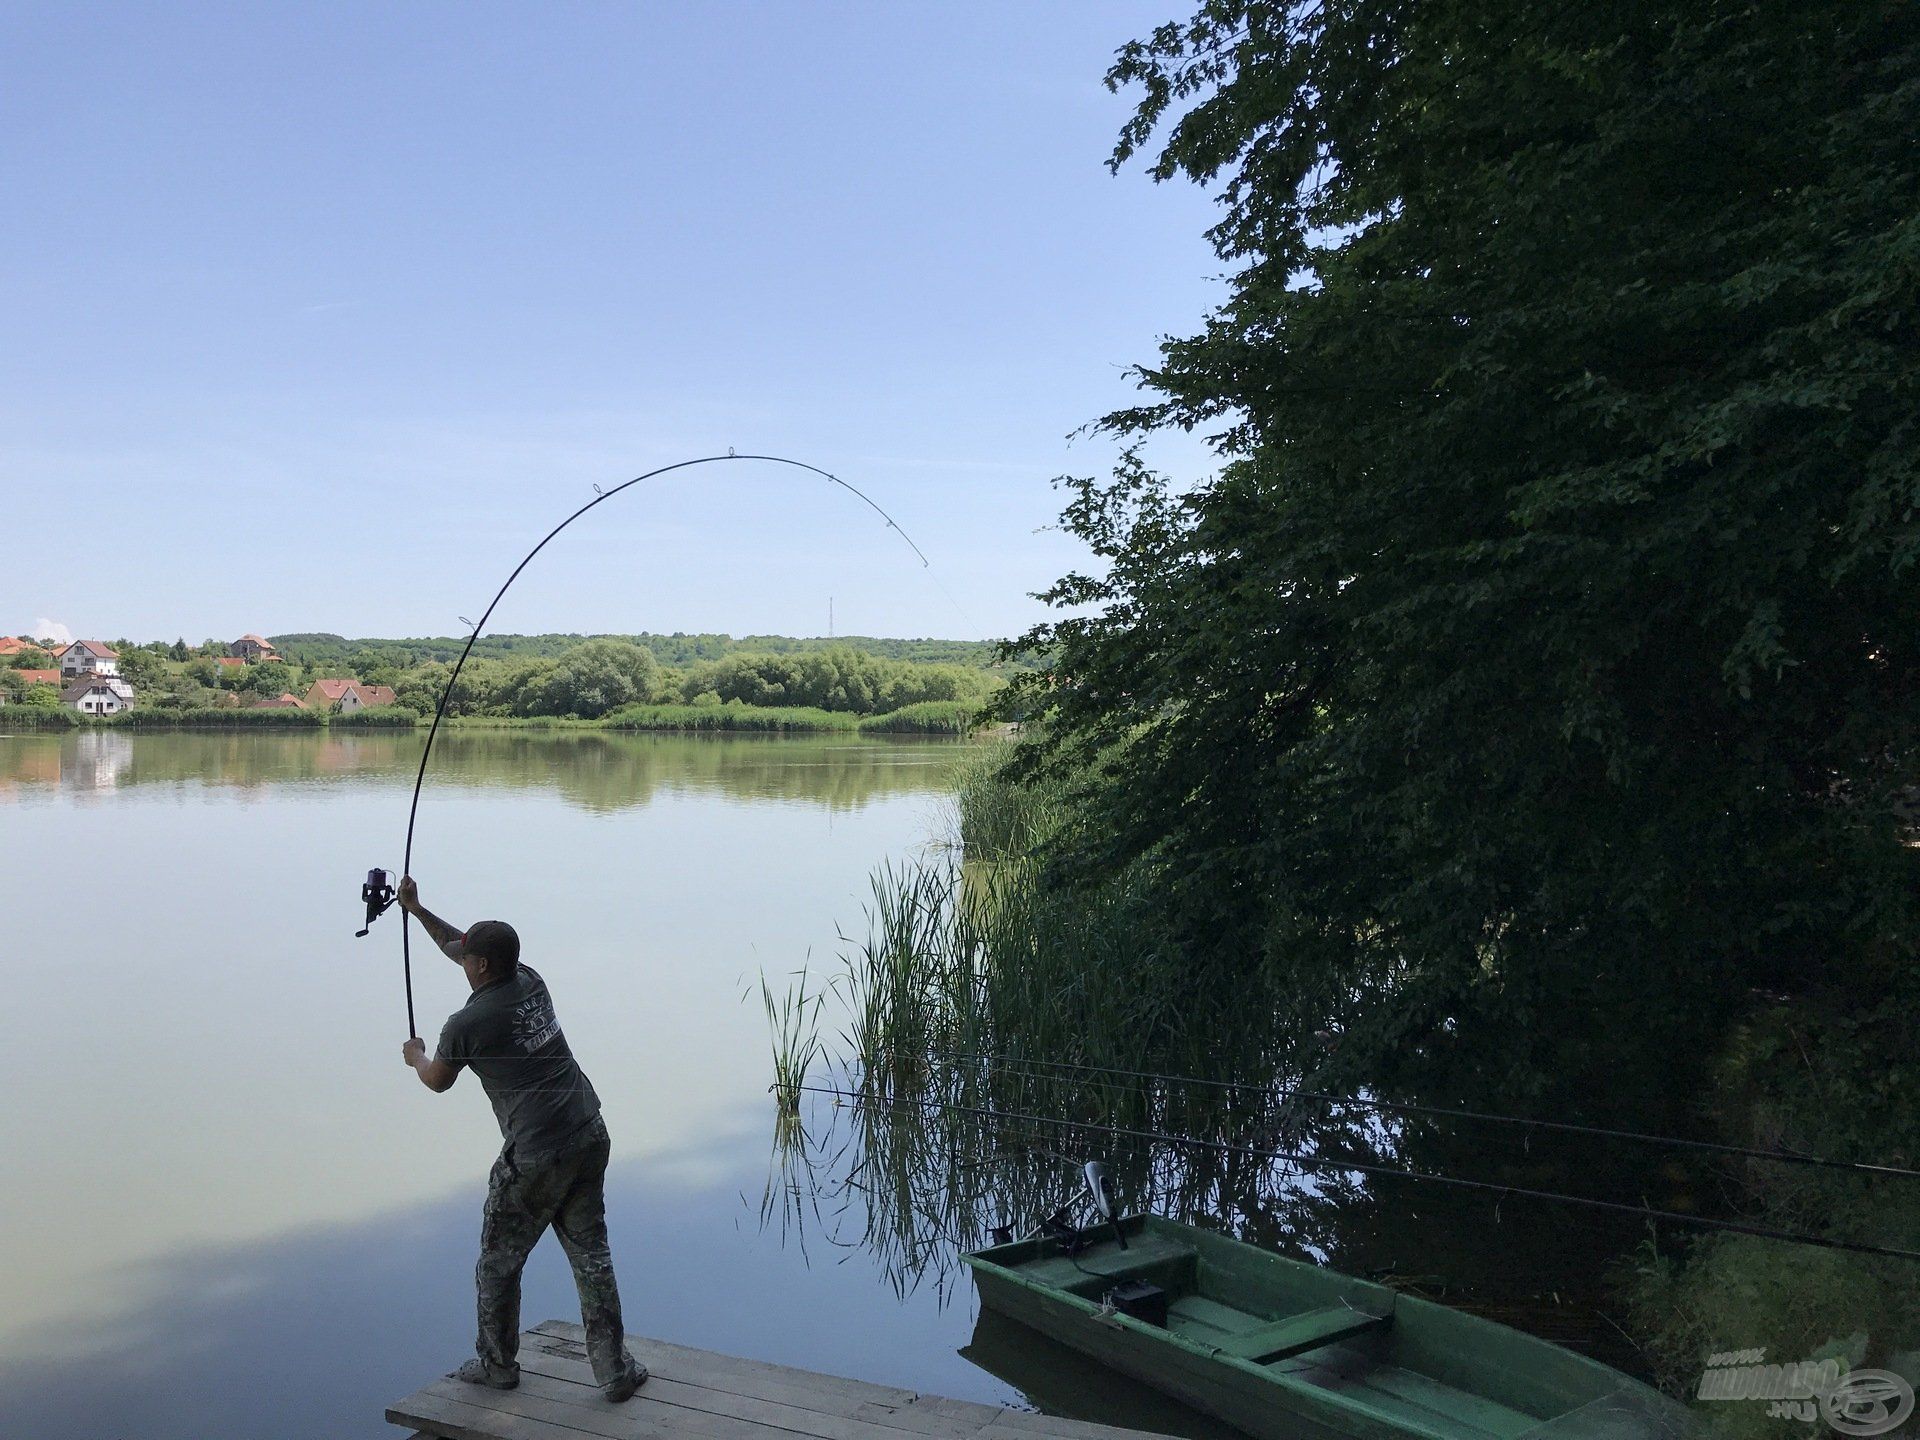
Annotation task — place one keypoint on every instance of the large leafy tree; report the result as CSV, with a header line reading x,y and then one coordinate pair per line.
x,y
1537,676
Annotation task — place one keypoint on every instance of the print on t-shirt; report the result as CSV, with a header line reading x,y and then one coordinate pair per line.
x,y
534,1024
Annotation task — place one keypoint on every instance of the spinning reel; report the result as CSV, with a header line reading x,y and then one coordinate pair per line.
x,y
378,896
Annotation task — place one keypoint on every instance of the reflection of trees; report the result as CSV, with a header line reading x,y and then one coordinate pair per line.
x,y
918,1174
601,772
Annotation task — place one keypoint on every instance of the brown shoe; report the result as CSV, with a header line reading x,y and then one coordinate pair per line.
x,y
623,1388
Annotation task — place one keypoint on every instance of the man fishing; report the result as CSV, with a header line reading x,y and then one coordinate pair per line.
x,y
552,1170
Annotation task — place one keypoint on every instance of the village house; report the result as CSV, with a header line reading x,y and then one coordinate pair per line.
x,y
283,701
39,677
253,649
13,645
349,695
88,657
98,695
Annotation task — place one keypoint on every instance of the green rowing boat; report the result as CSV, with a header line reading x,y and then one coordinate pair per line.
x,y
1289,1351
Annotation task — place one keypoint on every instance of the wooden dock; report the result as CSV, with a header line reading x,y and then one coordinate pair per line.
x,y
701,1393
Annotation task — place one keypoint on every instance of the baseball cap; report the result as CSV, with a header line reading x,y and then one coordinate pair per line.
x,y
494,941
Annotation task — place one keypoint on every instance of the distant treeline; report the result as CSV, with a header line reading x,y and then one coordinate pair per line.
x,y
559,677
934,717
677,650
595,678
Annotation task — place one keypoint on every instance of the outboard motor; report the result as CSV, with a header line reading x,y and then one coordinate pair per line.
x,y
1096,1174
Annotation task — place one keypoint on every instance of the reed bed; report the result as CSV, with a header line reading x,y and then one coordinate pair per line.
x,y
730,717
997,1029
210,718
927,717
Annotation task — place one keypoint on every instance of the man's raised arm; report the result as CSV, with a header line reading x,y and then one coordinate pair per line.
x,y
442,934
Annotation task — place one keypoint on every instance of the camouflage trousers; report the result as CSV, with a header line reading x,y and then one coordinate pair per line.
x,y
566,1190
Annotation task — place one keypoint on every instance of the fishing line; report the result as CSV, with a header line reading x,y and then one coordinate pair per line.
x,y
1283,1093
446,692
1643,1212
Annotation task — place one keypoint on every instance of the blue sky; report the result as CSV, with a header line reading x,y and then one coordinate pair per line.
x,y
318,316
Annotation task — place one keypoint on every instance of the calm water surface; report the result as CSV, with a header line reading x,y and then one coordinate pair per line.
x,y
232,1212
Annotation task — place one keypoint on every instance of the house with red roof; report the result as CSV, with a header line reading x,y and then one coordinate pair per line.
x,y
350,695
252,649
89,657
285,700
39,677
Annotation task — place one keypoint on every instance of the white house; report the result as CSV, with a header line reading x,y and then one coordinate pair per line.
x,y
350,695
88,657
98,695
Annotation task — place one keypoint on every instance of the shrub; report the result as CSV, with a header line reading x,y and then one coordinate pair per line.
x,y
385,717
728,717
928,717
224,718
36,717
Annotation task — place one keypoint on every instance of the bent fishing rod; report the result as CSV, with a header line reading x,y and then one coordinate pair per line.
x,y
378,893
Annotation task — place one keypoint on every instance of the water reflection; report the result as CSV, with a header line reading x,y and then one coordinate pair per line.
x,y
231,1211
308,1336
915,1174
599,771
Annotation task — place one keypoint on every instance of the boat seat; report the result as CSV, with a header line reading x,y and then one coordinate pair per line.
x,y
1295,1333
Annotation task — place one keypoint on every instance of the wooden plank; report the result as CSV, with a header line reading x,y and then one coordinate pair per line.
x,y
696,1366
704,1395
540,1399
577,1404
458,1420
798,1389
841,1423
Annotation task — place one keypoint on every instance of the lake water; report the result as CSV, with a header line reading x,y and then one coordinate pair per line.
x,y
231,1211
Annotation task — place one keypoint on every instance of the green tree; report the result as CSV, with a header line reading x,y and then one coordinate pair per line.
x,y
1537,675
598,677
269,678
140,666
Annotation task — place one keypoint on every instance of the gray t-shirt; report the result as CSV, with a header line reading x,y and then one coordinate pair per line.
x,y
508,1034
